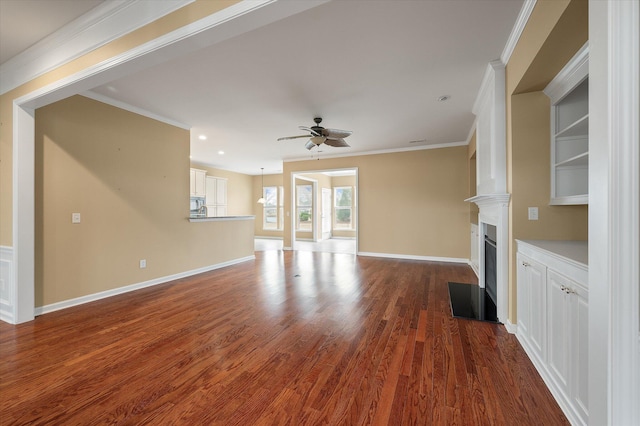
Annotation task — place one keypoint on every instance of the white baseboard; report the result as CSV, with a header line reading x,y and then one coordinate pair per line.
x,y
6,284
413,257
264,237
476,269
511,328
120,290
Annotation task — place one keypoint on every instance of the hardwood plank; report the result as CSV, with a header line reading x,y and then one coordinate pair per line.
x,y
291,338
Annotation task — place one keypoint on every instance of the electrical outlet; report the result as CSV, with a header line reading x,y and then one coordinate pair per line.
x,y
533,213
143,263
75,217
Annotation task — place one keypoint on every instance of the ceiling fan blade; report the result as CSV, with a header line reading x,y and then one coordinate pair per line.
x,y
293,137
309,129
335,133
338,143
309,145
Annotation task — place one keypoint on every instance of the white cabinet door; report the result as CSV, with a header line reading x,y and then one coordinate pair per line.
x,y
580,351
221,191
560,339
200,183
210,191
192,183
532,301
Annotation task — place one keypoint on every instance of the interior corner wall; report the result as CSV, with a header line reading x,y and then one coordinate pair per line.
x,y
128,177
409,203
239,190
555,31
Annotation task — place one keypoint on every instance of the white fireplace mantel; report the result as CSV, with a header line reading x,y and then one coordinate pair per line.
x,y
490,199
494,210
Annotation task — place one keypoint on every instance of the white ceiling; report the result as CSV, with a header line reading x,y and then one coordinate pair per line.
x,y
373,67
25,22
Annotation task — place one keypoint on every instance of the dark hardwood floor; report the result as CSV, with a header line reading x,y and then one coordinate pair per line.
x,y
294,338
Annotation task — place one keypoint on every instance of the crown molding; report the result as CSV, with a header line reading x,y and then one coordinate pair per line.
x,y
136,110
518,28
573,73
380,151
101,25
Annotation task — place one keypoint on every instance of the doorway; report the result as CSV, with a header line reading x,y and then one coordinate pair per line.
x,y
331,219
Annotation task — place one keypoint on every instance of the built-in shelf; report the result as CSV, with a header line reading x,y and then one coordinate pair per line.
x,y
578,128
569,94
580,160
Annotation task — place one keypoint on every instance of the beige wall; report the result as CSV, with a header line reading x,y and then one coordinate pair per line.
x,y
128,176
179,18
269,180
410,203
555,31
239,189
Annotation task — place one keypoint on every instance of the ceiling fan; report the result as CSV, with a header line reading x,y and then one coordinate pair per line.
x,y
319,135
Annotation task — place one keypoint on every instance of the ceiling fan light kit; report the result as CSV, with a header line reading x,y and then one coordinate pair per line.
x,y
318,135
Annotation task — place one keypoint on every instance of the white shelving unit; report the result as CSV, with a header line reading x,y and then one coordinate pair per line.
x,y
569,94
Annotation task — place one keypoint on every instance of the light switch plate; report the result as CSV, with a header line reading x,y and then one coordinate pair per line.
x,y
75,217
533,213
143,263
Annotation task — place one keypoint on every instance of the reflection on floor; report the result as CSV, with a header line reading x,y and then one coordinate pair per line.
x,y
332,245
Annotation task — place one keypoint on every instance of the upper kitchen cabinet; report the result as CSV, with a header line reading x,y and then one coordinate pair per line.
x,y
197,180
569,94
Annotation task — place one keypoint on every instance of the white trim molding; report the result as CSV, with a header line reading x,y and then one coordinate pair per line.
x,y
574,73
414,257
101,25
126,289
624,201
134,109
6,284
518,27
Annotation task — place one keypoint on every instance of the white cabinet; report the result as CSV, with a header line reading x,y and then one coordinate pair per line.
x,y
553,308
197,184
568,337
532,296
569,94
216,196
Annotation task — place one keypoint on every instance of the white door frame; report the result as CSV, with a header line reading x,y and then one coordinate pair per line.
x,y
323,209
296,175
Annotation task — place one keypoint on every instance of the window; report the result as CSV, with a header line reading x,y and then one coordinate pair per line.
x,y
343,207
304,207
270,216
273,208
281,207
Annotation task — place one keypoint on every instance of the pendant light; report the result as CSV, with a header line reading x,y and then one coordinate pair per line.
x,y
261,200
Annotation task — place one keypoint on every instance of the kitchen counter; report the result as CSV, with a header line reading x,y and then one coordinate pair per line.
x,y
199,218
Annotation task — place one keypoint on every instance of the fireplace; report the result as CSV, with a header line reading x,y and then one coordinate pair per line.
x,y
492,242
490,263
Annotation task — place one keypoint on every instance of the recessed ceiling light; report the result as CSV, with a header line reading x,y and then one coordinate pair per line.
x,y
444,98
202,137
220,152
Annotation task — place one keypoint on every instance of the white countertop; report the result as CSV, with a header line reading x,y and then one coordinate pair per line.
x,y
575,251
